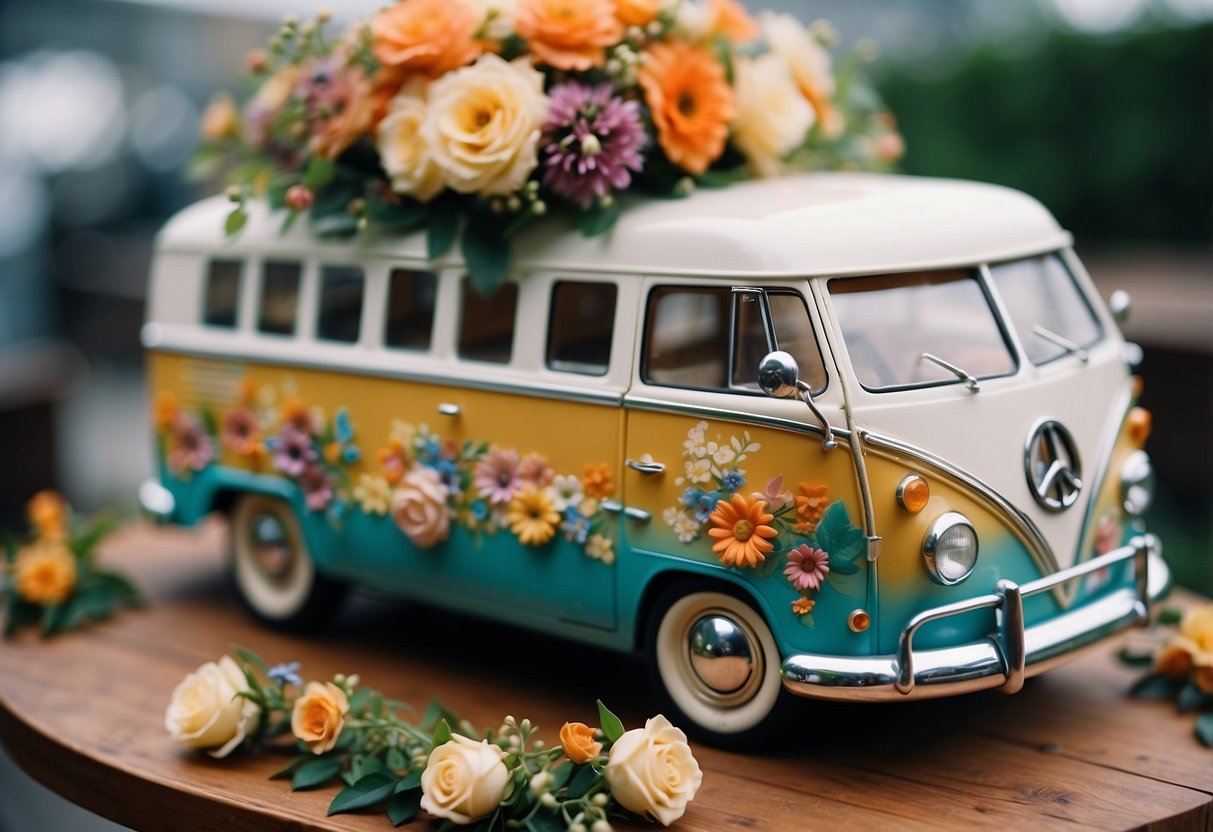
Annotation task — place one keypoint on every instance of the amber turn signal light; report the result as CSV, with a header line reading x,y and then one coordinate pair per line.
x,y
913,493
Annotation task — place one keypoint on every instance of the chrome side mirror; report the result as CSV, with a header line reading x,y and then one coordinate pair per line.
x,y
1121,306
779,377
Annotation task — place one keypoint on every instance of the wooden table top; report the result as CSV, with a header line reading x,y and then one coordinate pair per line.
x,y
84,714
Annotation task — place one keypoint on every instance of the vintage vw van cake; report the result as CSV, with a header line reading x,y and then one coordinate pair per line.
x,y
852,437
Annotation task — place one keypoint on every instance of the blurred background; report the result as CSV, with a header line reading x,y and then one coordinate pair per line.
x,y
1102,109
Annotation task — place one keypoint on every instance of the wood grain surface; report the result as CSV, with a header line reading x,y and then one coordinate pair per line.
x,y
84,714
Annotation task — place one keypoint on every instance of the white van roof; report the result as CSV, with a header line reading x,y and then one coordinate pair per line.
x,y
795,226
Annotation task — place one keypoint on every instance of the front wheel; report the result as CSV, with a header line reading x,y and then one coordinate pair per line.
x,y
273,571
713,657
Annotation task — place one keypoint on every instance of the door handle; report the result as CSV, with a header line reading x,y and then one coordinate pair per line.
x,y
645,465
630,512
449,409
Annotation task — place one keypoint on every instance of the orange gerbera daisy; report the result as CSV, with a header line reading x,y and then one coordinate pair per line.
x,y
811,504
568,34
427,36
691,102
741,531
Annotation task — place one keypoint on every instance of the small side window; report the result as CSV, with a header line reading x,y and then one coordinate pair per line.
x,y
279,297
486,325
410,309
340,315
581,324
222,294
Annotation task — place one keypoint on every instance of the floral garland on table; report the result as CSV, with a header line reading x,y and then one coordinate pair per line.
x,y
52,580
496,111
1179,651
506,778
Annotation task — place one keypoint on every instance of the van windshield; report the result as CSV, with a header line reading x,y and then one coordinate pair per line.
x,y
901,329
1046,307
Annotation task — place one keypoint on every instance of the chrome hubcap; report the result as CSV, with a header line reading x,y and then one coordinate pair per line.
x,y
722,656
270,546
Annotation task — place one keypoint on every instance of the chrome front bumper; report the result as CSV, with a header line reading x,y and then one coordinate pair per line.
x,y
1004,659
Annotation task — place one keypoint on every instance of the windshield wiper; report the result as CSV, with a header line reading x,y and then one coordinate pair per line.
x,y
1061,341
969,380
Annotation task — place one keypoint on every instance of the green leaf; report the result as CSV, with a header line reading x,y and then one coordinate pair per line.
x,y
841,566
396,216
807,620
723,178
370,790
442,227
562,773
404,807
250,658
330,215
1190,698
319,173
235,221
1170,616
316,773
1127,656
125,591
545,821
413,781
840,539
1155,686
611,725
582,781
435,712
598,220
442,733
96,530
19,614
290,767
1204,729
395,759
486,252
769,566
373,765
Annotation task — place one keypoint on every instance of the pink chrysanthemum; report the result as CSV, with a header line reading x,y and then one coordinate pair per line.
x,y
496,476
807,567
317,487
193,449
293,451
591,142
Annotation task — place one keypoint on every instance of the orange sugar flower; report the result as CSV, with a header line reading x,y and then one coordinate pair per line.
x,y
741,530
730,20
165,411
294,413
637,12
811,504
568,34
691,102
430,37
803,606
597,481
47,512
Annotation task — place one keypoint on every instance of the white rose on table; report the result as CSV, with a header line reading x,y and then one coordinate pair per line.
x,y
773,119
651,771
464,780
206,711
483,123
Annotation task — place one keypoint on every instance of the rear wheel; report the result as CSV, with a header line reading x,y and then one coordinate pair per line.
x,y
713,657
273,570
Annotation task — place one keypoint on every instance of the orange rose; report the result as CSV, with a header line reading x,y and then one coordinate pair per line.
x,y
319,715
568,34
427,36
577,740
45,573
691,101
1175,660
637,12
730,20
47,512
353,111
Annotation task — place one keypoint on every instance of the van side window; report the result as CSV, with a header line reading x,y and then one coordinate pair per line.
x,y
340,315
486,325
279,297
222,293
410,309
581,323
688,330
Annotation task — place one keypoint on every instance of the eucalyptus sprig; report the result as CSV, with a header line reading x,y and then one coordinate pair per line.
x,y
506,778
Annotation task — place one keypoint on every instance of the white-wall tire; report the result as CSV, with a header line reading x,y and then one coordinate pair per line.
x,y
272,568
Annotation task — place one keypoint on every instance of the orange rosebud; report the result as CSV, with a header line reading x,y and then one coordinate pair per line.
x,y
47,511
568,34
741,530
319,716
691,102
431,37
577,740
637,12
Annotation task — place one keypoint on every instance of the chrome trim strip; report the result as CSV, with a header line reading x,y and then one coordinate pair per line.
x,y
1103,463
535,389
663,406
1038,547
1003,660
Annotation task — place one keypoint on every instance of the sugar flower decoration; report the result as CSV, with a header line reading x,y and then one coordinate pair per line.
x,y
807,567
742,531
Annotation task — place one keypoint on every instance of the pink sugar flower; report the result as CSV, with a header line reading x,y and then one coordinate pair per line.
x,y
317,487
496,477
535,470
193,449
293,451
807,567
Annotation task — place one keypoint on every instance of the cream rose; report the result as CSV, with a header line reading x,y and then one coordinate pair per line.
x,y
483,125
464,780
651,771
319,716
405,155
808,61
773,119
419,507
206,711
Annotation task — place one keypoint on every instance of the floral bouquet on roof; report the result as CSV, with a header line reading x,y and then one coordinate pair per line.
x,y
495,112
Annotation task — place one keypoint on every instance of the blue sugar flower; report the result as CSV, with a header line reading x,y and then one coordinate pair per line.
x,y
732,481
286,674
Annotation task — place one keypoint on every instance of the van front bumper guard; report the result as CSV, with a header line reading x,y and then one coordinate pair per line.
x,y
1005,658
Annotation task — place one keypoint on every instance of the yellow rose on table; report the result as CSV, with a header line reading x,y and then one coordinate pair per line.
x,y
207,712
464,780
483,125
651,771
319,715
45,572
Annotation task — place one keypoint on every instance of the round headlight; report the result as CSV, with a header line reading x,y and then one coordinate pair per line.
x,y
1137,483
950,549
